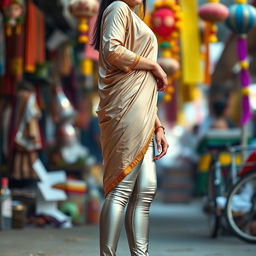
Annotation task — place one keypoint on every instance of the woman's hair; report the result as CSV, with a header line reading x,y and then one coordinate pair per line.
x,y
103,5
219,107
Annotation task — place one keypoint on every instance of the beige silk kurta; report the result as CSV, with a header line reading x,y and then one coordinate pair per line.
x,y
128,97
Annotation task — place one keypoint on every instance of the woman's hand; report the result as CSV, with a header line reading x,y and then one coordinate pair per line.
x,y
157,71
161,77
162,144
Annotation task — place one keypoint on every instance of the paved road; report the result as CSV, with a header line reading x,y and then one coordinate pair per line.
x,y
176,229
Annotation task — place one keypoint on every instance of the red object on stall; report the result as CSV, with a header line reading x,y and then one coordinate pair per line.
x,y
35,42
31,33
4,3
250,165
41,37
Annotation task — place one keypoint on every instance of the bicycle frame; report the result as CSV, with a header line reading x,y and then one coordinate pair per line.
x,y
243,161
249,164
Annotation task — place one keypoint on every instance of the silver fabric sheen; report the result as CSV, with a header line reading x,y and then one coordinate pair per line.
x,y
136,191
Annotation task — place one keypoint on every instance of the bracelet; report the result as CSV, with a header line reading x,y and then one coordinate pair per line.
x,y
160,126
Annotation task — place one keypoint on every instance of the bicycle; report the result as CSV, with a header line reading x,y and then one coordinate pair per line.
x,y
219,181
240,207
232,192
219,184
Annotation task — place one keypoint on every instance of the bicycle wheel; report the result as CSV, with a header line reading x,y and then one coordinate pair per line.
x,y
214,218
241,208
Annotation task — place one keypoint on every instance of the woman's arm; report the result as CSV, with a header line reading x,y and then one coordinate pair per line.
x,y
157,122
162,145
156,69
113,50
114,26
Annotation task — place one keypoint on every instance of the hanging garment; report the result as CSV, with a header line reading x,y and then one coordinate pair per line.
x,y
27,136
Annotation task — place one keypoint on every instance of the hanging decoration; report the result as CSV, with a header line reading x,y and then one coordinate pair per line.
x,y
35,39
211,13
68,148
83,10
165,21
25,139
170,67
241,19
190,44
2,47
14,11
90,54
14,16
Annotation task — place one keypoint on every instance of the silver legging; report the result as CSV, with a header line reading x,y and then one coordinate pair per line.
x,y
138,190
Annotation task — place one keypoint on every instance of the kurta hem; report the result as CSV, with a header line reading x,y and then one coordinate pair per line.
x,y
130,167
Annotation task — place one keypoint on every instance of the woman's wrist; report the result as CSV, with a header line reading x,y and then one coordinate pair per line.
x,y
159,127
146,64
153,65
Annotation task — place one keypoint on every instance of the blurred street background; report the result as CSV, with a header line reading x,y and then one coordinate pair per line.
x,y
50,153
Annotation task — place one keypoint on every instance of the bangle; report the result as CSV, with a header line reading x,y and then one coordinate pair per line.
x,y
160,126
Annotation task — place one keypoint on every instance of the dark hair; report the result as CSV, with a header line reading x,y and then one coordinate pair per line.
x,y
103,5
219,107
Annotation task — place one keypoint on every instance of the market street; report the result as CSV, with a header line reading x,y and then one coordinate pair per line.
x,y
176,229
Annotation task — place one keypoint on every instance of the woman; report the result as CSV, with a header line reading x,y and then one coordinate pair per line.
x,y
129,78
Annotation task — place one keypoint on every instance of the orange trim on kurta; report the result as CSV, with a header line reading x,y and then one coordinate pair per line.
x,y
129,168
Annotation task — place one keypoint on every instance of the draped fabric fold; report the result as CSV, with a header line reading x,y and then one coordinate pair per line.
x,y
128,96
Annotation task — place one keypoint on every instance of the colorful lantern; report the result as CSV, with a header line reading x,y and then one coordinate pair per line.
x,y
242,17
83,10
213,12
169,65
165,21
14,13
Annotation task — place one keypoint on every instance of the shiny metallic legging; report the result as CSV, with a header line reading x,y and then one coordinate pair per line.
x,y
137,191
